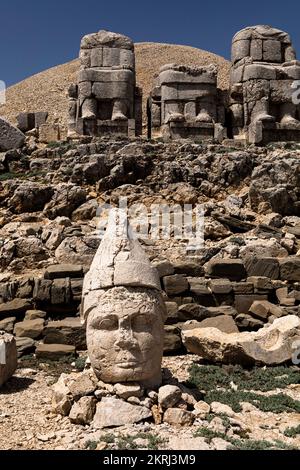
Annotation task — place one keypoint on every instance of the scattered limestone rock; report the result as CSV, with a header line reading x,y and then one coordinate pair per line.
x,y
128,390
82,385
106,415
169,396
83,411
62,398
201,409
178,417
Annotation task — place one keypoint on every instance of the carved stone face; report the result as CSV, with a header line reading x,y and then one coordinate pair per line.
x,y
125,333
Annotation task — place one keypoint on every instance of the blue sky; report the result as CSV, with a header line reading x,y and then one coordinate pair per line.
x,y
38,34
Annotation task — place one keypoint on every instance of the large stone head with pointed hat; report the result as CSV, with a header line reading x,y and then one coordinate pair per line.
x,y
123,309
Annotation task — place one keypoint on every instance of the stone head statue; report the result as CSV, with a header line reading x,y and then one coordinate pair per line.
x,y
123,309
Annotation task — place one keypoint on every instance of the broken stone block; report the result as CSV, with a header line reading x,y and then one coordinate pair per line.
x,y
7,324
193,312
223,323
25,346
290,269
284,298
69,331
169,396
220,286
54,352
8,357
164,268
271,345
189,268
232,269
10,137
172,312
42,291
82,385
61,398
261,283
199,286
16,308
61,271
243,302
176,284
242,287
201,409
264,267
246,322
29,328
128,390
113,412
35,314
262,309
83,411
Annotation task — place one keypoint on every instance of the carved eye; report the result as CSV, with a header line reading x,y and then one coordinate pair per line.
x,y
140,323
108,324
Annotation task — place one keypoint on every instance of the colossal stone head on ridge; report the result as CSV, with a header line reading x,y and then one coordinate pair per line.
x,y
124,310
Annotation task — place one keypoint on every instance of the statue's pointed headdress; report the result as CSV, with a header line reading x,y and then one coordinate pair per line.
x,y
120,260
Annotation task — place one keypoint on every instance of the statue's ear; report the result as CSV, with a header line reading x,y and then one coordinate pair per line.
x,y
86,310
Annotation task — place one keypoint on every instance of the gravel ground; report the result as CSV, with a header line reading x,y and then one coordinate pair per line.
x,y
27,422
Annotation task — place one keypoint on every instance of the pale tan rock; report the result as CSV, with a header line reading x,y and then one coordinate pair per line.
x,y
178,417
169,396
112,412
270,345
83,411
201,408
62,397
128,390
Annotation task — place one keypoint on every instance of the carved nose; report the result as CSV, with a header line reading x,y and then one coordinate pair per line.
x,y
125,339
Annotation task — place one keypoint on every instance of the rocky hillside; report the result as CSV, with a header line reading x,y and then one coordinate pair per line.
x,y
47,91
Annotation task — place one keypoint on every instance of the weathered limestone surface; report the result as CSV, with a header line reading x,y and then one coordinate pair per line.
x,y
270,345
112,412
